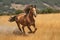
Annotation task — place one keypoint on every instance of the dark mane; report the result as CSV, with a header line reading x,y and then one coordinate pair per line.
x,y
27,9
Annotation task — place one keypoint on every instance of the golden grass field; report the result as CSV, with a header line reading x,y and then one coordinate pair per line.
x,y
48,28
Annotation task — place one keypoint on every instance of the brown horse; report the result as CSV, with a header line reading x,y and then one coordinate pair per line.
x,y
25,21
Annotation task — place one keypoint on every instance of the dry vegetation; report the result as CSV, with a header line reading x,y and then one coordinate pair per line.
x,y
48,28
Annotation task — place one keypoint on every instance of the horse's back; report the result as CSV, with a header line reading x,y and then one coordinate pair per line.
x,y
20,16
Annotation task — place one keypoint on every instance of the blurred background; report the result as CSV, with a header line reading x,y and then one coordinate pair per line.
x,y
8,7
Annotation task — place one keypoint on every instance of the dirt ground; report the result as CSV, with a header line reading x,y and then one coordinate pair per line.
x,y
48,28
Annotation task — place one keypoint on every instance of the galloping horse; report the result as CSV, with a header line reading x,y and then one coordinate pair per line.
x,y
25,21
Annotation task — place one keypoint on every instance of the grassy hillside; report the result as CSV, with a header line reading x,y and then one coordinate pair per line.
x,y
41,4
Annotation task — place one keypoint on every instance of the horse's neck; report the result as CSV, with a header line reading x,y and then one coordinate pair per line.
x,y
31,15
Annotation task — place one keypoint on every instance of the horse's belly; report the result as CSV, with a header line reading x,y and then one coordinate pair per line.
x,y
23,22
26,23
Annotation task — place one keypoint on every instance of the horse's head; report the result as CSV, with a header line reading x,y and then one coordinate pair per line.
x,y
33,10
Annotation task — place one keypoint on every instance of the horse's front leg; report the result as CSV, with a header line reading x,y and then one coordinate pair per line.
x,y
34,27
18,24
29,29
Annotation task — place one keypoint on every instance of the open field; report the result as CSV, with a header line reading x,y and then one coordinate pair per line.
x,y
48,26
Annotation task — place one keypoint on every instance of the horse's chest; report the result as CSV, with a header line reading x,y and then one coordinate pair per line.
x,y
30,21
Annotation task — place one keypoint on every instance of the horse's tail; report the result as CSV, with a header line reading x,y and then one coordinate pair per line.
x,y
12,19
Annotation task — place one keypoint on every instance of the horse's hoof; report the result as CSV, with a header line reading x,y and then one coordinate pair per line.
x,y
21,32
35,30
25,35
29,32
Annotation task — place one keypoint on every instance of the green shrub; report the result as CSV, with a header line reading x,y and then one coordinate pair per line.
x,y
38,11
18,11
48,10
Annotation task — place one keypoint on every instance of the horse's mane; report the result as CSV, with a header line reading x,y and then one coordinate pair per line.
x,y
27,9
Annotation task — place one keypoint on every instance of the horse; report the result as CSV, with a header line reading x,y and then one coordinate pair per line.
x,y
25,21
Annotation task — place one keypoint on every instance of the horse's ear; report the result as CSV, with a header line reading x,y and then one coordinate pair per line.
x,y
35,6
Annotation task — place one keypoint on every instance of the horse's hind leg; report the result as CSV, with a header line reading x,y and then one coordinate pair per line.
x,y
34,27
23,29
18,26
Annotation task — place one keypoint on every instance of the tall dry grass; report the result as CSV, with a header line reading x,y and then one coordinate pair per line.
x,y
48,26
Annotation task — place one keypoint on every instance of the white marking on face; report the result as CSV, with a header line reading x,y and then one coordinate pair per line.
x,y
34,10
